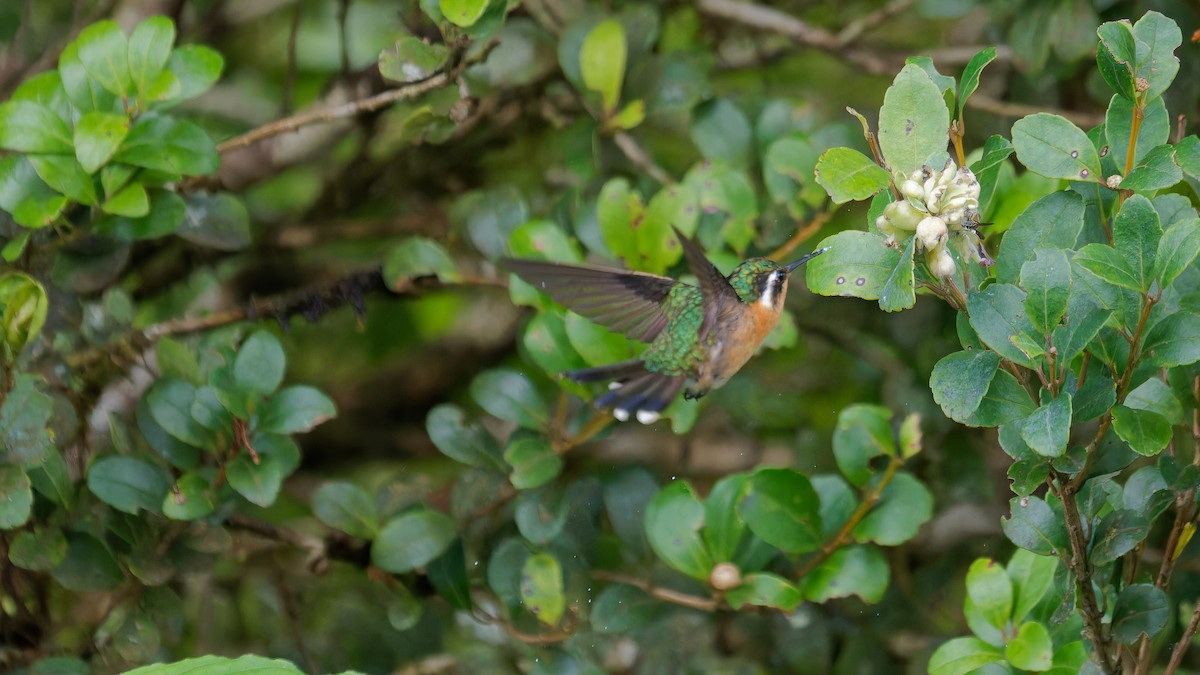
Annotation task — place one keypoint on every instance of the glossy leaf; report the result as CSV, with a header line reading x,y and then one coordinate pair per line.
x,y
149,48
38,550
171,145
26,126
602,62
258,482
1140,608
1053,222
621,608
1047,282
542,588
1173,341
1117,534
863,433
218,221
1031,648
673,520
781,507
461,439
259,364
858,264
1158,63
1177,249
1031,576
509,395
1048,428
763,589
463,13
858,569
416,257
103,51
1136,235
997,314
848,175
296,409
128,484
190,498
913,122
345,506
533,462
64,174
412,540
1145,431
961,656
412,60
1157,170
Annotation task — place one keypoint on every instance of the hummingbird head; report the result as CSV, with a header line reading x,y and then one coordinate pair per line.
x,y
764,281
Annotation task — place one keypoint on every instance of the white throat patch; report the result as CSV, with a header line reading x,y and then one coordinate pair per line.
x,y
767,299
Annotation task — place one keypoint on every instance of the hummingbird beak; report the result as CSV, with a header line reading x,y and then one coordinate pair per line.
x,y
810,256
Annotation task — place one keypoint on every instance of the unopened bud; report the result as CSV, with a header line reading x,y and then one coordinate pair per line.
x,y
931,232
940,262
725,576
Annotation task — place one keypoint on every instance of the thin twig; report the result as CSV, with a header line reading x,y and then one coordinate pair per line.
x,y
289,79
843,535
1092,616
638,156
983,102
853,30
1185,641
802,235
352,108
665,594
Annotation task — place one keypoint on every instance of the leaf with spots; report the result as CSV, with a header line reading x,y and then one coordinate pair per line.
x,y
858,265
1054,147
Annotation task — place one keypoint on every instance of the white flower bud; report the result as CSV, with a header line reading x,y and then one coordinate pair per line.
x,y
912,190
931,232
940,262
901,216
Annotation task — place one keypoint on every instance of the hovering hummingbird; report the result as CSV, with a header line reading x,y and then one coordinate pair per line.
x,y
698,336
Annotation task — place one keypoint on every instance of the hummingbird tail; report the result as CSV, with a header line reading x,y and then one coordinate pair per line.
x,y
644,396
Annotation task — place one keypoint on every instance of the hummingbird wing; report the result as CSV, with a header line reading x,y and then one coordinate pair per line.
x,y
626,302
714,287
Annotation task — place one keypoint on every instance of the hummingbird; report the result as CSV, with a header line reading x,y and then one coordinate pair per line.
x,y
698,336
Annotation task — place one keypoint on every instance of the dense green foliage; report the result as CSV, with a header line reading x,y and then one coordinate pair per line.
x,y
176,480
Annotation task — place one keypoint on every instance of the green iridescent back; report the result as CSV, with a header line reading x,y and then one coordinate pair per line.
x,y
674,351
747,278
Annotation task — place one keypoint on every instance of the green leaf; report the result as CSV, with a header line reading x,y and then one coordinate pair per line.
x,y
259,364
417,257
23,309
26,126
40,550
89,565
258,482
412,540
128,484
621,608
542,588
1047,282
167,212
30,201
961,656
913,122
1187,154
630,116
462,13
781,507
1173,341
1054,222
189,499
858,264
149,48
763,589
170,404
626,493
1116,56
218,221
1153,131
903,507
220,665
1048,428
1031,648
1157,170
673,520
595,343
1146,432
960,381
672,207
848,175
171,145
103,51
969,80
1136,235
991,592
196,68
412,60
1034,526
541,514
130,201
533,461
1055,148
721,130
602,62
462,440
296,409
1140,608
509,395
1156,396
724,528
617,208
857,569
1107,264
899,291
347,507
65,175
17,503
1032,576
997,314
863,433
1157,63
1118,533
84,92
24,416
1177,250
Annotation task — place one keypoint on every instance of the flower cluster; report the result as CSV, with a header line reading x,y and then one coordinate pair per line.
x,y
940,207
